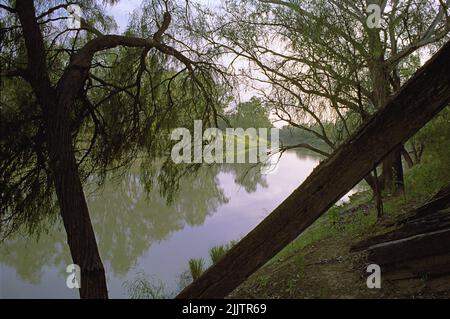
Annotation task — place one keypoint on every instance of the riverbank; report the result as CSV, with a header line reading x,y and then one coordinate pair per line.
x,y
319,264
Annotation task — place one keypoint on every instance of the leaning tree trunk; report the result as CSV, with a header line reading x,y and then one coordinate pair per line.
x,y
73,207
56,109
421,98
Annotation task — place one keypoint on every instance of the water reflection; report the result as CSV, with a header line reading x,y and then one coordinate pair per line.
x,y
127,220
137,231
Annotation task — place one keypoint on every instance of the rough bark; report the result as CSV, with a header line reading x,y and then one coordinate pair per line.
x,y
411,108
378,196
392,170
73,207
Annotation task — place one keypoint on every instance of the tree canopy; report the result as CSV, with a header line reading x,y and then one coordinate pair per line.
x,y
137,87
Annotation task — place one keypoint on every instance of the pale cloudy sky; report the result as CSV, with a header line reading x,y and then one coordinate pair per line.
x,y
121,11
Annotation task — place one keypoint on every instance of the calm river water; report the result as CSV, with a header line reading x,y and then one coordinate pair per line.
x,y
140,235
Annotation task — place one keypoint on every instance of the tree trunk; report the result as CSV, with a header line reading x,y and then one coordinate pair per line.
x,y
62,162
399,181
393,180
378,196
392,169
73,207
374,183
407,157
422,97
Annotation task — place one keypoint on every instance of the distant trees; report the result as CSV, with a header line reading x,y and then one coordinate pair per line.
x,y
81,101
250,114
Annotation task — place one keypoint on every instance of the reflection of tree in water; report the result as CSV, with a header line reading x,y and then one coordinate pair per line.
x,y
127,220
29,255
246,175
304,154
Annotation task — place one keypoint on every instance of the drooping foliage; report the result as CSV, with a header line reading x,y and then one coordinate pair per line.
x,y
132,98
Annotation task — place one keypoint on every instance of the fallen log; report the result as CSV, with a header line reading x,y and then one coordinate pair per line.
x,y
420,99
427,267
412,226
440,201
414,247
419,248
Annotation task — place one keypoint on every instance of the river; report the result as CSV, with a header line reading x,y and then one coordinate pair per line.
x,y
139,235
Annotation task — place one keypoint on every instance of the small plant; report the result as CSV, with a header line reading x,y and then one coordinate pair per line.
x,y
196,267
143,288
216,253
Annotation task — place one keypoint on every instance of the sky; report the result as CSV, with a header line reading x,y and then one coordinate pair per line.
x,y
121,11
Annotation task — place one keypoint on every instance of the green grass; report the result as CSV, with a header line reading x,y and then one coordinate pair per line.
x,y
421,182
216,253
196,267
